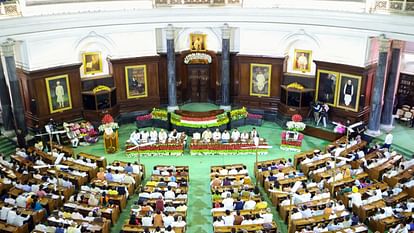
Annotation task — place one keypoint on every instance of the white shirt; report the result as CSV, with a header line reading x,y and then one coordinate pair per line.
x,y
146,221
267,218
388,139
153,135
228,220
235,135
168,220
3,213
225,136
297,215
216,135
11,216
228,203
233,172
117,177
196,136
169,195
19,221
249,205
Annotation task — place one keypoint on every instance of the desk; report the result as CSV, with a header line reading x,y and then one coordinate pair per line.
x,y
100,184
127,228
400,178
263,174
284,210
300,157
376,172
307,167
227,148
345,197
317,177
366,211
386,223
13,229
173,149
111,213
299,224
99,160
247,227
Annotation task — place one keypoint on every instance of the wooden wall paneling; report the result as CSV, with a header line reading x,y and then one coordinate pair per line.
x,y
137,104
243,97
34,87
367,74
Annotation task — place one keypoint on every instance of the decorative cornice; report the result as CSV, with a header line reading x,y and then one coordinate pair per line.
x,y
7,48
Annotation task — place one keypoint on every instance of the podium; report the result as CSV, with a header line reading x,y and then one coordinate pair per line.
x,y
111,143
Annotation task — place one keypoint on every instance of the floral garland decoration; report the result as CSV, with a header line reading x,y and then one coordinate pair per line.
x,y
159,114
296,123
238,114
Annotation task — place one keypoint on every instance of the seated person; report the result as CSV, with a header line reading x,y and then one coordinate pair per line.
x,y
173,136
216,135
235,135
144,136
254,133
244,137
135,137
162,136
225,136
196,136
153,134
207,135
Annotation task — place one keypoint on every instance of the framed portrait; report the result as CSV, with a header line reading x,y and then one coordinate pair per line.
x,y
348,92
136,81
58,93
260,77
302,60
198,42
326,86
92,63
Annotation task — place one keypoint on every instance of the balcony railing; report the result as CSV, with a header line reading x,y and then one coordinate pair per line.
x,y
169,3
395,6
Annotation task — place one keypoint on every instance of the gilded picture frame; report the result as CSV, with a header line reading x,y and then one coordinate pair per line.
x,y
260,79
136,81
349,90
58,93
302,60
198,42
92,63
327,87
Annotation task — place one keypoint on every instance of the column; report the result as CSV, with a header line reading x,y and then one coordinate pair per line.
x,y
6,112
172,89
390,88
18,110
225,68
378,89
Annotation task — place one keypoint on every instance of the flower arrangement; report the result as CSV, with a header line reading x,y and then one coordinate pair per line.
x,y
199,122
238,114
146,117
159,114
296,123
296,85
254,116
339,129
108,122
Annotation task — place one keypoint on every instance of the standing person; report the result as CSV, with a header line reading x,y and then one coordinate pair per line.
x,y
60,94
388,140
323,115
302,62
348,92
317,108
21,139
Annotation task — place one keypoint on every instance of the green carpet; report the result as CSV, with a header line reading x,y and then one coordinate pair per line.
x,y
199,107
199,217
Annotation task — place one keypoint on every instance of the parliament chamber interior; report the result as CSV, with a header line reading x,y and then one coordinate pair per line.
x,y
206,116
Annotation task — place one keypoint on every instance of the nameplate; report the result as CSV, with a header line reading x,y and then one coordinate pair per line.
x,y
197,58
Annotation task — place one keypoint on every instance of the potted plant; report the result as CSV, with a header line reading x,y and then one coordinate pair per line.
x,y
238,117
160,118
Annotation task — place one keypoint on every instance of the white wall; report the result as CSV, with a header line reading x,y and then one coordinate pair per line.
x,y
56,40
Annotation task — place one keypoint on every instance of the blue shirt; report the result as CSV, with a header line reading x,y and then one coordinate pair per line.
x,y
128,169
109,177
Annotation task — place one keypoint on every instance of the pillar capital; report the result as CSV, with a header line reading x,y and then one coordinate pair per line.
x,y
7,48
170,32
398,44
384,43
225,31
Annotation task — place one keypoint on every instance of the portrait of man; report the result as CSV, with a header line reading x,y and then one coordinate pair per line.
x,y
92,63
198,42
348,94
58,92
136,81
302,60
326,86
260,77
